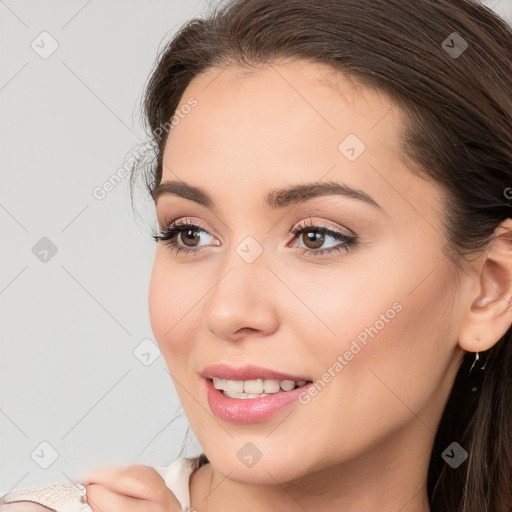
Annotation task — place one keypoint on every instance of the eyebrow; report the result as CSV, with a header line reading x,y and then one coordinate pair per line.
x,y
279,198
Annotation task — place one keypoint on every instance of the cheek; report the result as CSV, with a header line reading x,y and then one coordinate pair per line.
x,y
385,344
159,303
338,304
173,309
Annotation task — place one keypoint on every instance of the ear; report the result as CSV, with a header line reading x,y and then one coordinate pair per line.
x,y
490,313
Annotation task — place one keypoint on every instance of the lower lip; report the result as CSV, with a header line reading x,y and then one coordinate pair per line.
x,y
248,410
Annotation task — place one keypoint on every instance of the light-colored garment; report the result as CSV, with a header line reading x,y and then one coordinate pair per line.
x,y
71,496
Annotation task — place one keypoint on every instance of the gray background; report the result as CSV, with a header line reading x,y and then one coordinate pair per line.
x,y
82,384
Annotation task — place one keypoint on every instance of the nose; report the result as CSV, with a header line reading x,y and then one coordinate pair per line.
x,y
243,300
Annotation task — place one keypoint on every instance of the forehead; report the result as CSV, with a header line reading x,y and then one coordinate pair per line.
x,y
281,108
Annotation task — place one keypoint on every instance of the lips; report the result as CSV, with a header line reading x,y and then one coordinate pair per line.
x,y
248,372
249,410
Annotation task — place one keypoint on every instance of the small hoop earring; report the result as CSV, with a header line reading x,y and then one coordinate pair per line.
x,y
477,358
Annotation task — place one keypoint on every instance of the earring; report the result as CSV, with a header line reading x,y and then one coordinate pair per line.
x,y
477,357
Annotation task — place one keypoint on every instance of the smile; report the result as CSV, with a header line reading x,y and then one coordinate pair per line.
x,y
246,407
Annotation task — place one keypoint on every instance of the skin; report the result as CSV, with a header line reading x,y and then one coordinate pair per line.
x,y
130,489
364,442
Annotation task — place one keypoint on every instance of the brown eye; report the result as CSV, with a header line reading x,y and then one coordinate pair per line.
x,y
183,237
314,236
313,239
190,237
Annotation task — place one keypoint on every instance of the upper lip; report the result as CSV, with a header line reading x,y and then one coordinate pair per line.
x,y
247,372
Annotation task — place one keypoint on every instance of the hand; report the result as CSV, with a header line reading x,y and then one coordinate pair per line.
x,y
137,488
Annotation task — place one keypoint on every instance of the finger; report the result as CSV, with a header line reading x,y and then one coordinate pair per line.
x,y
102,499
137,481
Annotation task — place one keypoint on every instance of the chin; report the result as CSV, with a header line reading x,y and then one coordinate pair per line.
x,y
266,471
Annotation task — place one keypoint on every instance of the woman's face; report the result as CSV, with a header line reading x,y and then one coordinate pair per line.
x,y
374,325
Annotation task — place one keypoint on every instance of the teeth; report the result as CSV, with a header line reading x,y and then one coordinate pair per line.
x,y
287,385
251,386
235,386
271,386
254,387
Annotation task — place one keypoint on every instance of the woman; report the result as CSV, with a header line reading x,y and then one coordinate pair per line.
x,y
332,279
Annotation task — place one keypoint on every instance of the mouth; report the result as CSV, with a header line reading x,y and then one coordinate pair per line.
x,y
247,394
249,405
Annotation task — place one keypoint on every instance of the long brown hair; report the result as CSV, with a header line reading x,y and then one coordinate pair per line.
x,y
447,65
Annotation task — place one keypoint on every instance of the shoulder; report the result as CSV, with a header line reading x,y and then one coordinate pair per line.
x,y
57,497
24,506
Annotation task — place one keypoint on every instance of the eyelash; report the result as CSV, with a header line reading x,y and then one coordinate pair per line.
x,y
174,228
